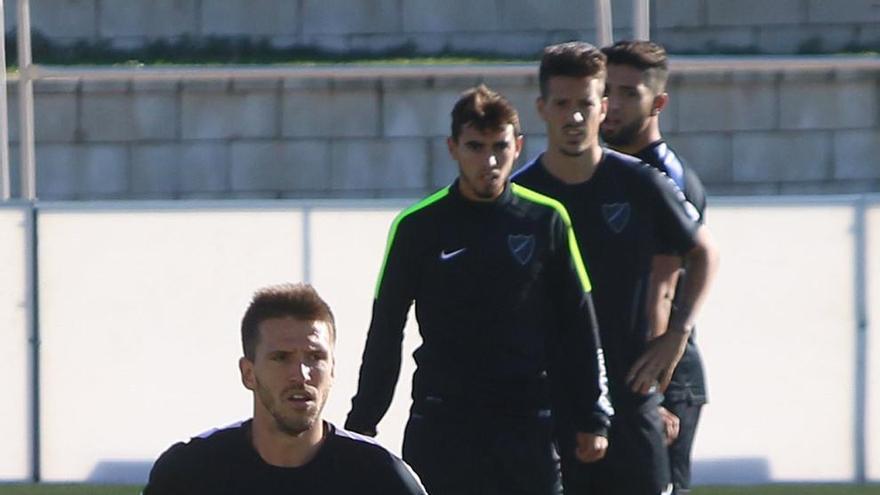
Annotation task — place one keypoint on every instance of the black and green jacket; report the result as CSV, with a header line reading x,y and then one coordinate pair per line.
x,y
503,306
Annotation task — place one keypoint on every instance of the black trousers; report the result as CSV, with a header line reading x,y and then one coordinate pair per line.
x,y
680,450
636,462
482,455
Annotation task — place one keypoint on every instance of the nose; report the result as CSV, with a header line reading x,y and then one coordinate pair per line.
x,y
493,161
578,117
300,372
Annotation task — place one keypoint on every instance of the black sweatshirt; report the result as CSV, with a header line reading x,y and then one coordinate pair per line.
x,y
503,307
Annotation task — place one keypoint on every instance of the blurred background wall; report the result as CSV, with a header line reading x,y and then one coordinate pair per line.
x,y
512,27
785,131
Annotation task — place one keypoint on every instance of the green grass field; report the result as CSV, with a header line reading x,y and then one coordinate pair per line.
x,y
703,490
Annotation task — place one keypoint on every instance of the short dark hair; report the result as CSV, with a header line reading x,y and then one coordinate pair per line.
x,y
571,59
483,109
646,56
300,301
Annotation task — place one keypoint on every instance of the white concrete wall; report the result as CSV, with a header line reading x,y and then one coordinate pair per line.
x,y
872,275
778,338
140,307
14,348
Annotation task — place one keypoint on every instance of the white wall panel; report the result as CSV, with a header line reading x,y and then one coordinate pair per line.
x,y
872,428
348,249
140,314
777,336
14,350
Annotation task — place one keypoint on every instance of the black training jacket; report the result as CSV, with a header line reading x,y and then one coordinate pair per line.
x,y
503,306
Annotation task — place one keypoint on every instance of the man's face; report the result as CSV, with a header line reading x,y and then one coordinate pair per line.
x,y
572,109
485,160
291,373
630,105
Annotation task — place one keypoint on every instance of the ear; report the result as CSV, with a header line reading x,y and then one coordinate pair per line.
x,y
541,106
246,368
451,146
520,140
604,107
659,103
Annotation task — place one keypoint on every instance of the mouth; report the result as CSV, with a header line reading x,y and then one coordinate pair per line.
x,y
574,132
300,399
492,176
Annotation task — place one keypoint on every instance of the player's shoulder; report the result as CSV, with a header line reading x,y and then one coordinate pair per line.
x,y
528,174
378,465
349,443
633,170
624,165
422,208
204,445
199,457
536,201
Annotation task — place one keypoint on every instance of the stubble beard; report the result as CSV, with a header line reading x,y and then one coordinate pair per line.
x,y
479,188
624,136
292,424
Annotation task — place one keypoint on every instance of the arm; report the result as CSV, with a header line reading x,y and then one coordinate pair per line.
x,y
580,353
665,271
380,366
657,363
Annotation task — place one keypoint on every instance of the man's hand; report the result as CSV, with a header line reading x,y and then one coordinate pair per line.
x,y
671,424
590,447
653,370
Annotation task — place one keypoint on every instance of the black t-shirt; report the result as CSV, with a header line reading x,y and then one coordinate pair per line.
x,y
688,382
624,214
224,462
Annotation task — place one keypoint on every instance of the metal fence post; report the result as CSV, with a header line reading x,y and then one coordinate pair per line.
x,y
861,340
5,192
26,102
604,26
641,19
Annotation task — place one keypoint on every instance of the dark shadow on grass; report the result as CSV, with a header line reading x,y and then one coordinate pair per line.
x,y
120,472
733,471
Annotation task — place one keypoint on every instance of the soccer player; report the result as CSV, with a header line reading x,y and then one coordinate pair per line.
x,y
288,334
623,213
636,90
504,310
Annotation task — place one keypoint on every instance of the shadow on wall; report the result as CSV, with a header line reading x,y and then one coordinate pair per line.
x,y
121,472
734,471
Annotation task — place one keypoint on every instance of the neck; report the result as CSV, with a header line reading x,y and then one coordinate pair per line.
x,y
284,450
572,169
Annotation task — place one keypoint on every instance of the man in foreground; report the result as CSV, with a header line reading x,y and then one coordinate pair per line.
x,y
288,334
504,310
636,90
623,213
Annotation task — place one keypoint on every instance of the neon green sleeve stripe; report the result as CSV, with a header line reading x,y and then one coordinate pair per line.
x,y
437,196
572,241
